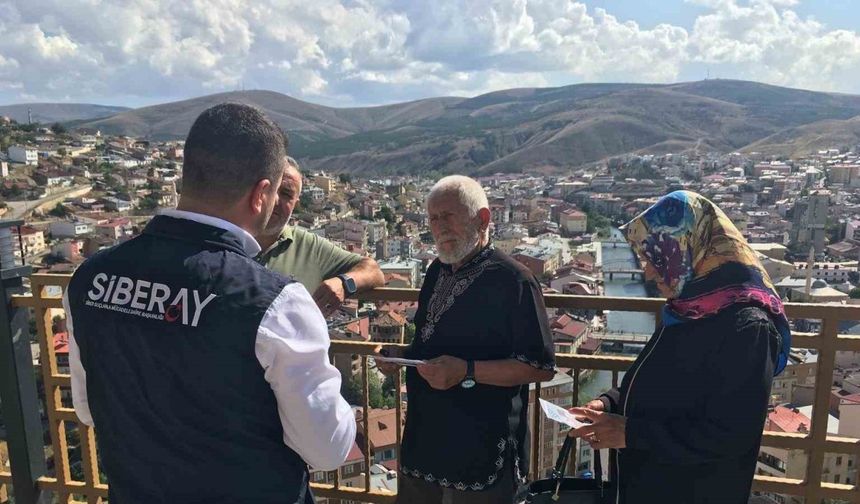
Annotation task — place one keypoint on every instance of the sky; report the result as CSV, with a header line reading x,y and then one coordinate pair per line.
x,y
347,53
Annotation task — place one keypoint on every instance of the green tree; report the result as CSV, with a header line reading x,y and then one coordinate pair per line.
x,y
597,222
58,128
148,203
59,211
380,396
385,213
305,200
350,389
855,293
377,398
345,178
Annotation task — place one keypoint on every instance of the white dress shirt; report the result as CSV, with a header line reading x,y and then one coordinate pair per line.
x,y
292,347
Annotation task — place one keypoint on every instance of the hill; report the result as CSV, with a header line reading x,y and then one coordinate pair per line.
x,y
49,113
529,129
810,138
307,120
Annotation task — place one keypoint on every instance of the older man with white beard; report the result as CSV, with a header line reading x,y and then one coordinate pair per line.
x,y
481,328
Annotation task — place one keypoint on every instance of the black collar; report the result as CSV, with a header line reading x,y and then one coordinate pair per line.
x,y
194,232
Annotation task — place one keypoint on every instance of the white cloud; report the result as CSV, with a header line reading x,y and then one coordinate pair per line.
x,y
348,52
764,40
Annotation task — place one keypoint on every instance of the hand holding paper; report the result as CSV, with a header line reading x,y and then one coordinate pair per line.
x,y
398,361
559,414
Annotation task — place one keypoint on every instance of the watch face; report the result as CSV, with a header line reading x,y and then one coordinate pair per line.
x,y
348,284
468,383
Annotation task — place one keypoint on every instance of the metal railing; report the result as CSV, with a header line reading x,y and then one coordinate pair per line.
x,y
815,443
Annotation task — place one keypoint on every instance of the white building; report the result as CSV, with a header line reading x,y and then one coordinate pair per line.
x,y
23,154
404,247
377,230
33,241
573,221
116,204
69,229
829,272
852,229
407,267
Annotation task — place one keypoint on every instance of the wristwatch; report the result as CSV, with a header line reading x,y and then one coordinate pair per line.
x,y
348,284
469,381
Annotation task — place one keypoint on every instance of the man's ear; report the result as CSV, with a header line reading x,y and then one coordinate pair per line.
x,y
485,216
259,195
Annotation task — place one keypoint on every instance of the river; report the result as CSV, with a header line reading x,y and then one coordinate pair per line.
x,y
619,256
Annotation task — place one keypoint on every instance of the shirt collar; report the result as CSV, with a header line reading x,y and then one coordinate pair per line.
x,y
249,243
286,236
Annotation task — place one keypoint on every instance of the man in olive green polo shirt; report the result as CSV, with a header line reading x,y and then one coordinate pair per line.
x,y
327,271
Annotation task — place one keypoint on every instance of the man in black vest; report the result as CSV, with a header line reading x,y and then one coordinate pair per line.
x,y
206,375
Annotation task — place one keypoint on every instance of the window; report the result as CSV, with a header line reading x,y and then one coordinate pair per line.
x,y
836,479
839,461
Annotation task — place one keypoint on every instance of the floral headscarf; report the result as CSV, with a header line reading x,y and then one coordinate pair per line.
x,y
702,263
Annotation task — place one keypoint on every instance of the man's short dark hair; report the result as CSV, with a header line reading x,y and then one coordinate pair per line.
x,y
229,149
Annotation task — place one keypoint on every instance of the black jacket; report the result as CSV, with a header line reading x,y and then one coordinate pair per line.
x,y
696,401
166,324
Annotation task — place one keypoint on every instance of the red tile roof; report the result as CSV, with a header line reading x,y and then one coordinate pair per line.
x,y
61,343
589,346
360,327
382,427
390,319
855,398
391,465
565,326
783,419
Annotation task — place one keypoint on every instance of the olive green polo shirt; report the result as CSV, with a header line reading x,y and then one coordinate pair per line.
x,y
308,258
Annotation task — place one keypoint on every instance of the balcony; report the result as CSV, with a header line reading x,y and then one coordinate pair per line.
x,y
62,419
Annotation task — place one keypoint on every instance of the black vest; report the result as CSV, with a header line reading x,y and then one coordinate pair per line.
x,y
166,324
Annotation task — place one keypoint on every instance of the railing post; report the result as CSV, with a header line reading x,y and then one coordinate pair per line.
x,y
821,406
19,394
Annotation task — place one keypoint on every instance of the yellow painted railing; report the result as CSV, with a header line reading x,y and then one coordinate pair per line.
x,y
815,443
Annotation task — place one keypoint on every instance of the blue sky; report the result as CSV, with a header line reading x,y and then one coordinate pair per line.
x,y
372,52
843,14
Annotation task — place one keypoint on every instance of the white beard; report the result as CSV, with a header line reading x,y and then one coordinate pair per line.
x,y
463,249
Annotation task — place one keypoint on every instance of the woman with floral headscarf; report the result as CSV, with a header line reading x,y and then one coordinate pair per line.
x,y
687,419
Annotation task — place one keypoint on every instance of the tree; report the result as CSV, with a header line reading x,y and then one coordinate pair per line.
x,y
855,293
350,389
345,178
58,128
59,211
380,396
596,222
377,399
305,200
409,333
148,203
385,213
